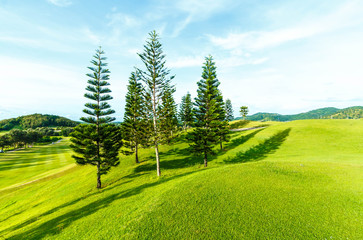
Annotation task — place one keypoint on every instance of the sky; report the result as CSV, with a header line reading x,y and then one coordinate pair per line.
x,y
284,57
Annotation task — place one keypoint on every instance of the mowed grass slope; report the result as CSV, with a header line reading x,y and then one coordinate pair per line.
x,y
295,180
24,165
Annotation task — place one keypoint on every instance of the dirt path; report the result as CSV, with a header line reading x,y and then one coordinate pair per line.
x,y
245,129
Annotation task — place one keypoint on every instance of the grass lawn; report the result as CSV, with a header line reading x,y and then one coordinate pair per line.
x,y
295,180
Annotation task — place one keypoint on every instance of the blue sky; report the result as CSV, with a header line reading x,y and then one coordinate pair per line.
x,y
273,56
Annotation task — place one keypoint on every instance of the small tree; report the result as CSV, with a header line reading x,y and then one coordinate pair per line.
x,y
98,142
243,111
186,111
156,82
206,111
229,110
135,125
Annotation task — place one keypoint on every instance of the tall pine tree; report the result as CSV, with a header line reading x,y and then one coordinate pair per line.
x,y
207,112
157,84
186,111
135,125
98,142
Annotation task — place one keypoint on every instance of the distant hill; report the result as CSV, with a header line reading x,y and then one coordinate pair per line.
x,y
329,112
36,120
348,113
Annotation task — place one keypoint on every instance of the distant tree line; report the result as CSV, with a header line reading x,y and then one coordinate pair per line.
x,y
36,120
17,138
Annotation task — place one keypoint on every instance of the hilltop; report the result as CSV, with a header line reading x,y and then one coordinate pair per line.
x,y
289,180
36,120
321,113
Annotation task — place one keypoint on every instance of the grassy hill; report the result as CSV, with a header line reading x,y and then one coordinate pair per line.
x,y
294,180
327,113
36,120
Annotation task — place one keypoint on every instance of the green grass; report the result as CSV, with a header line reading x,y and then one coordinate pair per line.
x,y
295,180
21,166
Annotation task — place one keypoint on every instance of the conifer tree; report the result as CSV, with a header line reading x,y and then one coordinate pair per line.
x,y
186,111
169,120
222,130
157,83
229,110
207,112
98,142
135,125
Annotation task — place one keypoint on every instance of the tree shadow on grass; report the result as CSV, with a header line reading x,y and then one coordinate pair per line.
x,y
261,150
240,140
183,159
57,224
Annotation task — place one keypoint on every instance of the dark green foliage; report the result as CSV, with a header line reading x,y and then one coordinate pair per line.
x,y
135,126
99,142
36,120
207,112
157,84
17,138
223,128
97,92
5,141
347,113
104,155
186,111
169,120
66,131
229,110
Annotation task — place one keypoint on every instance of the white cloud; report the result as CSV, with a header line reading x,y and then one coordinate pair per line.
x,y
60,3
346,15
38,84
118,18
183,62
196,11
91,36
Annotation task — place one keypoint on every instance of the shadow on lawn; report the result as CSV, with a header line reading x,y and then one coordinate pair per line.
x,y
57,224
242,139
182,159
261,150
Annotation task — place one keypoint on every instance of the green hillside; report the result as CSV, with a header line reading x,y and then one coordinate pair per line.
x,y
294,180
36,120
347,113
327,113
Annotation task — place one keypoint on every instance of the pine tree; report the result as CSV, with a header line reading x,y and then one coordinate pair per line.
x,y
229,110
156,82
169,120
207,112
186,111
223,128
135,124
98,142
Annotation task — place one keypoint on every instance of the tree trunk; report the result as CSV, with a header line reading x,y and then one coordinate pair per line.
x,y
157,160
221,144
98,176
205,160
136,154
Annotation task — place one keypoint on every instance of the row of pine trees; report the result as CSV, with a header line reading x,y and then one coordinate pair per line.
x,y
151,116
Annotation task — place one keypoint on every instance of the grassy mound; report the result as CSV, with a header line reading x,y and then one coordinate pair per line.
x,y
295,180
